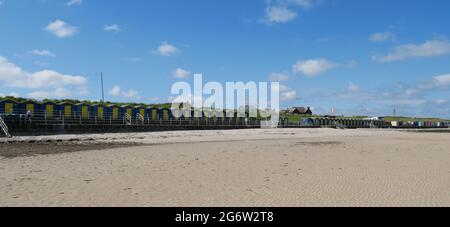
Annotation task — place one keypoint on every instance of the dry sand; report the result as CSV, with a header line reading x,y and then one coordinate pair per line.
x,y
265,167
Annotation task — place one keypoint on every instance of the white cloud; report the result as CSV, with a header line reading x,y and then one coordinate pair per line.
x,y
353,88
313,67
440,101
278,77
441,80
181,73
12,94
435,83
118,92
45,78
411,92
61,29
283,11
166,49
431,48
43,53
74,2
111,28
287,94
115,91
60,85
279,14
58,93
13,76
382,36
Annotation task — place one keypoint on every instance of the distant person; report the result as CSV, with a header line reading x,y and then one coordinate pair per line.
x,y
28,117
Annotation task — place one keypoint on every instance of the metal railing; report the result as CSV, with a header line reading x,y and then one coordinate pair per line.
x,y
4,127
127,118
23,121
140,118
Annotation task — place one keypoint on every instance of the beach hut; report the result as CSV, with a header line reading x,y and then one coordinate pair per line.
x,y
153,113
197,115
307,122
8,106
207,114
166,114
139,113
229,113
98,110
127,110
113,111
187,113
82,110
148,112
186,108
176,113
49,108
218,116
141,110
67,109
29,105
229,116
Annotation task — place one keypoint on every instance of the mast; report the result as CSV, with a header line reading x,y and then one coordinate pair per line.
x,y
103,93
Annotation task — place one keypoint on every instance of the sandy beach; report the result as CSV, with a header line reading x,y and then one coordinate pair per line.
x,y
261,167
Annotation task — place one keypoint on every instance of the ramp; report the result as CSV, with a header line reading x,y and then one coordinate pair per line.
x,y
4,127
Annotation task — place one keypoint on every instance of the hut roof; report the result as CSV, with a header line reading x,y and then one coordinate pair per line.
x,y
98,104
49,102
66,103
30,101
82,104
8,100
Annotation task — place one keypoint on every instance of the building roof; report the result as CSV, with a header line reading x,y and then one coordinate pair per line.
x,y
301,110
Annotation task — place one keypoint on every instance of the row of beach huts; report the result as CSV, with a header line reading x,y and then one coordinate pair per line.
x,y
419,124
69,110
33,116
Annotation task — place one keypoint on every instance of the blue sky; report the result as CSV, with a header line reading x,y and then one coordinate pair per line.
x,y
360,57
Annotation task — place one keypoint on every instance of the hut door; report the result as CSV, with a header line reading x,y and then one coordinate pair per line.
x,y
9,108
187,114
166,115
100,112
84,112
129,112
30,107
142,112
49,109
68,111
154,115
115,113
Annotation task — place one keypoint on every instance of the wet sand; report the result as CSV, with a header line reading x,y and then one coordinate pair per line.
x,y
264,167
